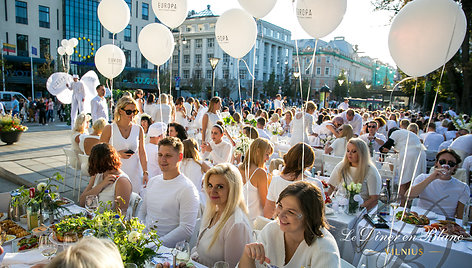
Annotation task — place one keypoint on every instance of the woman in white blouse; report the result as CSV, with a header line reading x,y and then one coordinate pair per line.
x,y
299,237
162,111
87,142
192,167
254,176
338,147
357,167
210,118
225,228
219,151
80,127
302,124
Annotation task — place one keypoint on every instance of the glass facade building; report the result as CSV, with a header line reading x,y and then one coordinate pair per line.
x,y
81,21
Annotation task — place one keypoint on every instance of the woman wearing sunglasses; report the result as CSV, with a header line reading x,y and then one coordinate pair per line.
x,y
299,237
439,191
128,139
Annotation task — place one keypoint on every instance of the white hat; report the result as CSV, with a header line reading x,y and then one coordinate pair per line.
x,y
157,129
75,76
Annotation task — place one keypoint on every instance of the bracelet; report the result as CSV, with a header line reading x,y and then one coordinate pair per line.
x,y
145,172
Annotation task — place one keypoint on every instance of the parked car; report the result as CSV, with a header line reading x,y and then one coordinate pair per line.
x,y
6,97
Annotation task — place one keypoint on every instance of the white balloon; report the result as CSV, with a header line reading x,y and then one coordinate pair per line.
x,y
421,33
114,15
69,50
170,12
110,61
236,32
57,83
259,8
156,43
74,42
61,51
320,17
65,43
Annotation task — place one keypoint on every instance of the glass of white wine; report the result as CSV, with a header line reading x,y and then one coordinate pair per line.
x,y
47,247
221,264
91,203
182,251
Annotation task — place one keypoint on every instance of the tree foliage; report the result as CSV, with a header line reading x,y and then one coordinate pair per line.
x,y
340,91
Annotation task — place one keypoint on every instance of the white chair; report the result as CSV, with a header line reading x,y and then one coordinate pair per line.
x,y
345,264
83,158
73,162
329,162
135,202
371,258
196,231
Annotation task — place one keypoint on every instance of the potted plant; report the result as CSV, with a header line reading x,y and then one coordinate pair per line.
x,y
10,128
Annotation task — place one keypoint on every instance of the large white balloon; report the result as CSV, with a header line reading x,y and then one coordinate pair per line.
x,y
110,61
320,17
236,32
421,33
73,41
114,15
69,50
156,43
259,8
61,51
65,43
57,86
170,12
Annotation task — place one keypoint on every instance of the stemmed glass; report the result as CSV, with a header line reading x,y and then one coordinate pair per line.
x,y
182,251
91,203
221,264
47,247
69,239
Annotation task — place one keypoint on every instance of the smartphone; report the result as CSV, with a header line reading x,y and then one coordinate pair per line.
x,y
129,152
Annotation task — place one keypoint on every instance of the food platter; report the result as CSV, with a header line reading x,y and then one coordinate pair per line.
x,y
26,243
3,216
12,228
64,202
9,238
446,227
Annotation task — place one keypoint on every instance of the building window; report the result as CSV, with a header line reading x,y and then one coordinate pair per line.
x,y
186,74
187,44
110,35
130,5
44,47
188,29
198,74
198,58
198,43
318,59
187,59
318,70
144,62
145,12
22,45
175,59
208,74
21,9
328,59
225,74
243,74
128,33
326,70
225,58
128,57
209,56
210,42
44,17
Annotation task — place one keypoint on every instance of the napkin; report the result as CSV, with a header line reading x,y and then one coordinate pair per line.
x,y
30,257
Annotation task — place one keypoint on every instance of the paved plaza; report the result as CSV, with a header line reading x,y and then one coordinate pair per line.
x,y
37,156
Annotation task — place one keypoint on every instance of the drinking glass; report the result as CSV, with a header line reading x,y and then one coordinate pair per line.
x,y
47,247
69,239
221,264
91,203
89,233
182,251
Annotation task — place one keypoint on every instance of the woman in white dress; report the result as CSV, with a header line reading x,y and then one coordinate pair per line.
x,y
192,166
107,180
218,150
338,147
128,139
210,118
149,105
302,124
181,113
80,128
255,180
287,122
87,142
357,167
225,228
162,111
138,96
299,237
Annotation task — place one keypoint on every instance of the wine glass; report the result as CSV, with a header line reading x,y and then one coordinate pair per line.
x,y
221,264
47,247
182,251
89,233
91,203
70,238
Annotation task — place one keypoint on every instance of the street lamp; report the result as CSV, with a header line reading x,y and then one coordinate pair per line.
x,y
296,75
368,86
213,63
181,40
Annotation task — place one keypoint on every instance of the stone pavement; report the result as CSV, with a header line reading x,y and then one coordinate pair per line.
x,y
37,156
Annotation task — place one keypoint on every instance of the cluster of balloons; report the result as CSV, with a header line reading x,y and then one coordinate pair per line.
x,y
67,46
426,34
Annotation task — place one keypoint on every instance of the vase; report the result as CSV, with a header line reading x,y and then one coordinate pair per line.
x,y
353,205
10,137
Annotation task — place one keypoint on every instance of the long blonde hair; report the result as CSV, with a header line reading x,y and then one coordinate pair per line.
x,y
81,121
365,162
255,153
347,132
191,150
122,104
211,106
235,197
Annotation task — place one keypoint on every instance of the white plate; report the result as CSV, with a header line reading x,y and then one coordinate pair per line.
x,y
69,202
9,238
15,247
5,215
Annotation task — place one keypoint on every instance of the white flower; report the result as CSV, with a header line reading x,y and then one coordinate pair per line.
x,y
349,187
41,186
133,236
225,114
358,187
250,117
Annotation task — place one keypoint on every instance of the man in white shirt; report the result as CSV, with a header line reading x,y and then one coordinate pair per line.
x,y
344,105
156,133
261,122
353,119
78,98
99,105
372,137
446,144
451,112
439,191
170,201
278,102
431,139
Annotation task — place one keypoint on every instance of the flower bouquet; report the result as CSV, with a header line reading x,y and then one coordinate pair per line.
x,y
251,120
9,123
275,129
227,118
242,145
353,190
459,123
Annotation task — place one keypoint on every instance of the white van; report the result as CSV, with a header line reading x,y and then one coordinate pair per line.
x,y
6,97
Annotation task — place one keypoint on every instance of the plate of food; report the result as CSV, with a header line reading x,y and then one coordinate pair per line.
x,y
9,238
11,228
26,243
448,228
64,201
412,217
3,216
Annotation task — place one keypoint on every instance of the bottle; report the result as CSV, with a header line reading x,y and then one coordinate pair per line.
x,y
465,215
371,147
384,201
47,206
32,211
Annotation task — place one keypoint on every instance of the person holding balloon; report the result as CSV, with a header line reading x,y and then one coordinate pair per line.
x,y
78,97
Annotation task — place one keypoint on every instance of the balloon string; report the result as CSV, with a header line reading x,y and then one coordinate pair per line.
x,y
303,111
414,94
254,61
311,71
170,73
249,70
159,89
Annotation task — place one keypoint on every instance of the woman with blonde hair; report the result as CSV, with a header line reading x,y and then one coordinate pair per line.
x,y
80,128
192,166
128,139
225,228
210,118
286,122
89,252
254,176
357,167
88,141
181,112
302,124
162,110
338,147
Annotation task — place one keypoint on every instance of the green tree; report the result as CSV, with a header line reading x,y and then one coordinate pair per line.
x,y
271,86
340,91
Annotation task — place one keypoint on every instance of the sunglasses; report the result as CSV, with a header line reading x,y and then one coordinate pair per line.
x,y
130,112
371,126
450,163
